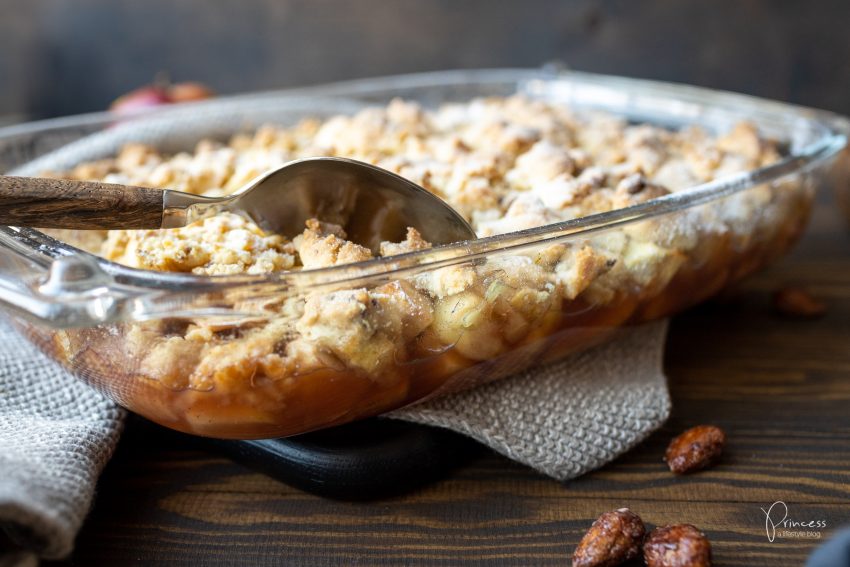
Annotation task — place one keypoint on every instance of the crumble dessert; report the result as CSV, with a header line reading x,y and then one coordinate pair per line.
x,y
327,356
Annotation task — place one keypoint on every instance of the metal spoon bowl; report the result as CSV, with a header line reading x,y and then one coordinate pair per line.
x,y
371,204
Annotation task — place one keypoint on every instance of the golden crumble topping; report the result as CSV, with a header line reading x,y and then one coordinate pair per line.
x,y
221,245
506,164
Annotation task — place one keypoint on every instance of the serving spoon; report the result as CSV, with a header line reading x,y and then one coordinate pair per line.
x,y
370,203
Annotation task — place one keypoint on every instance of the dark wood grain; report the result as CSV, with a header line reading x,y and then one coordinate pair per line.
x,y
779,387
61,203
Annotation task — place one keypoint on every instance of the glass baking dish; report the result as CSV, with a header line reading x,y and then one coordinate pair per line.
x,y
105,321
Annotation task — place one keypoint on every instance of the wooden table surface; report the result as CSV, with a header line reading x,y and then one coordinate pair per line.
x,y
780,388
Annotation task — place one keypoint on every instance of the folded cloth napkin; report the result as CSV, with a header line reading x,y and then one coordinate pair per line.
x,y
569,417
56,435
563,419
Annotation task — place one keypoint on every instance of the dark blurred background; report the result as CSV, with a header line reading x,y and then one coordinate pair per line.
x,y
68,56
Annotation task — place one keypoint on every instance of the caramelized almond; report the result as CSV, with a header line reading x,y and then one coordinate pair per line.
x,y
680,545
615,537
695,449
797,302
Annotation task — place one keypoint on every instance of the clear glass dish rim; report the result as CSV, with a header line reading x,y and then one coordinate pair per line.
x,y
834,129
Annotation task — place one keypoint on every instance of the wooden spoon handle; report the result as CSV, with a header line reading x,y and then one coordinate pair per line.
x,y
62,203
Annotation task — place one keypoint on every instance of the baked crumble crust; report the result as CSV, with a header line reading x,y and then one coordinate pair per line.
x,y
506,164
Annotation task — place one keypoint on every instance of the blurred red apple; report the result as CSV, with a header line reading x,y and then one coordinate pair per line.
x,y
189,91
145,97
159,94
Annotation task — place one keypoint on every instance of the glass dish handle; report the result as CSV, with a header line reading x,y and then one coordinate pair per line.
x,y
71,291
74,291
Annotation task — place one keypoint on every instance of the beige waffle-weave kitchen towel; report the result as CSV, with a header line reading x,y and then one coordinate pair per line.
x,y
570,417
56,435
564,419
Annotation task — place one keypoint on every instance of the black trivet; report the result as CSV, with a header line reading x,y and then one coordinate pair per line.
x,y
369,459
